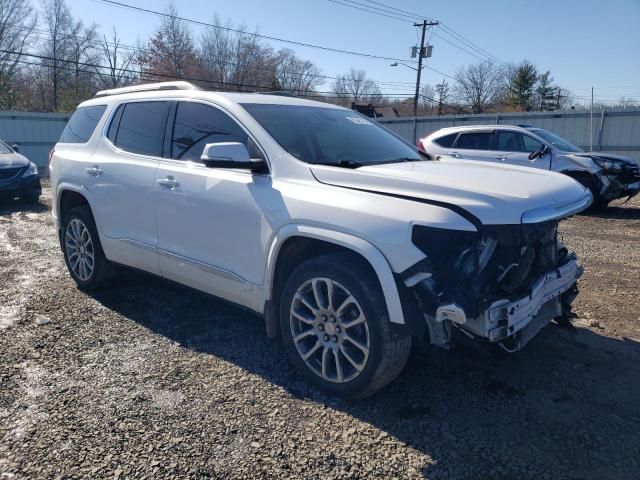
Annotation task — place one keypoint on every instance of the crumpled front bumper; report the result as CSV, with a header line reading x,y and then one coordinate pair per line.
x,y
625,183
519,320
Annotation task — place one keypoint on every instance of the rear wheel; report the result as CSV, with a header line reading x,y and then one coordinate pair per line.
x,y
82,250
335,327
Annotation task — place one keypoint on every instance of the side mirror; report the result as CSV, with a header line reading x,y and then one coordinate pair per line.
x,y
16,147
229,155
544,150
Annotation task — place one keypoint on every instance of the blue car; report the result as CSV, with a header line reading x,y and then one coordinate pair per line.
x,y
18,176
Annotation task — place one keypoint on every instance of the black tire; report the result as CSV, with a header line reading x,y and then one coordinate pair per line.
x,y
387,354
102,269
593,184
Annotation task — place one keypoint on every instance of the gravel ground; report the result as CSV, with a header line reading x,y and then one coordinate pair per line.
x,y
151,380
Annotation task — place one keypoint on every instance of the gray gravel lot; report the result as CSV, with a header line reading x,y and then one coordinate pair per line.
x,y
152,380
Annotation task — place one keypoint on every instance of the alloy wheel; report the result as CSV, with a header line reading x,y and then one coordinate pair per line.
x,y
80,250
329,330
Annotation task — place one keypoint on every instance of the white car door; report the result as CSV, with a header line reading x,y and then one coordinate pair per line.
x,y
474,145
514,148
123,172
212,233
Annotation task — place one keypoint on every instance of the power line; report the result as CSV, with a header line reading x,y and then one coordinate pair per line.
x,y
448,30
40,35
366,10
141,75
234,30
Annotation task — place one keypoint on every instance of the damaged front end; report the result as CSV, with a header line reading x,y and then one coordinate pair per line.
x,y
618,178
501,285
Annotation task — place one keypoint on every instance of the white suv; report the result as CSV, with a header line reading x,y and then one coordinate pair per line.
x,y
347,239
607,175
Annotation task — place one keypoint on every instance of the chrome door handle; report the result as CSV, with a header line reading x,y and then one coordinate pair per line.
x,y
500,157
455,154
95,171
168,182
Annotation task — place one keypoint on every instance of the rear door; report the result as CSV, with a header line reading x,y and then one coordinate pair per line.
x,y
124,173
474,145
514,148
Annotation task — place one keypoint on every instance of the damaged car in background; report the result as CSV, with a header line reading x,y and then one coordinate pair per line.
x,y
607,176
347,239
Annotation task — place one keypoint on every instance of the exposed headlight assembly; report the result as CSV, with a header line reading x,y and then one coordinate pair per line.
x,y
32,170
608,164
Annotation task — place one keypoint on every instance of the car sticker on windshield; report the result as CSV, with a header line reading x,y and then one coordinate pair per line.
x,y
358,120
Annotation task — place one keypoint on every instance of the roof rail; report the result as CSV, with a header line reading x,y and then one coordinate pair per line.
x,y
148,87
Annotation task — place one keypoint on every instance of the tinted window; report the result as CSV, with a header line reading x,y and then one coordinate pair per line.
x,y
447,140
197,124
82,124
330,136
474,141
115,122
531,144
509,142
142,126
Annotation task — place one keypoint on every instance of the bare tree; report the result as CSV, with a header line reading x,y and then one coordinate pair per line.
x,y
442,95
427,98
478,85
17,23
294,75
355,86
171,51
120,61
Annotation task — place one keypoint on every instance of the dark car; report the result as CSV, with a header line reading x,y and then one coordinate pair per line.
x,y
18,176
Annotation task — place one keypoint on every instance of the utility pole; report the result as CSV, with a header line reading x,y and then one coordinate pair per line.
x,y
591,123
421,54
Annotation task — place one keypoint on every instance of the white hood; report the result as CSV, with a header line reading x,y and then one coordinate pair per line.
x,y
494,194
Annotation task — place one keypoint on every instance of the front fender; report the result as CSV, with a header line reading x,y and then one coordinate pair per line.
x,y
375,258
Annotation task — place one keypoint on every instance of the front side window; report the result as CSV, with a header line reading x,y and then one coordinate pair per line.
x,y
82,123
197,124
330,136
141,128
4,148
531,144
474,141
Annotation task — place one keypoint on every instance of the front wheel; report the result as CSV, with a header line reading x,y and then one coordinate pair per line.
x,y
594,185
335,327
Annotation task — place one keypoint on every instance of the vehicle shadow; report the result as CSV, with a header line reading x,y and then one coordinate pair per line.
x,y
10,206
561,407
619,212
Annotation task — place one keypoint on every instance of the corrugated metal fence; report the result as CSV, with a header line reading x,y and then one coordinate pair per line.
x,y
35,133
614,130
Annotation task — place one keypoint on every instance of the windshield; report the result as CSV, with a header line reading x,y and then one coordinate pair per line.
x,y
330,136
4,148
556,141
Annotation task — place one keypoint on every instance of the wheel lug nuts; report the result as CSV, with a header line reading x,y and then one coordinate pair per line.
x,y
321,327
326,338
337,329
324,318
335,339
333,319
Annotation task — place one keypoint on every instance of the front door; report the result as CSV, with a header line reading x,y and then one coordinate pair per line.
x,y
514,148
212,233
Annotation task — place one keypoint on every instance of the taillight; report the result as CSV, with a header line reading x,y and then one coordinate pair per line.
x,y
420,146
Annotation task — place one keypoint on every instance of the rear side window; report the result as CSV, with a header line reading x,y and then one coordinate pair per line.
x,y
509,142
141,128
474,141
446,141
82,124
